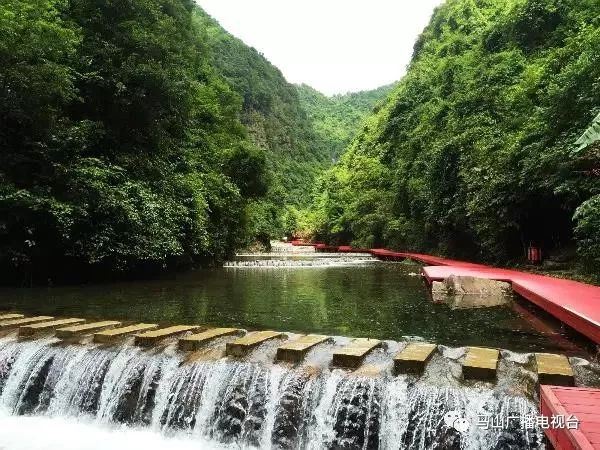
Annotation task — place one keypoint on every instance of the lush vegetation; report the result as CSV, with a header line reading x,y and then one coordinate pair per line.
x,y
587,216
473,154
142,136
276,123
137,136
336,120
121,147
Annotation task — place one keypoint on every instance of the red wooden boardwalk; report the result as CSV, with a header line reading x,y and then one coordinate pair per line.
x,y
581,403
575,304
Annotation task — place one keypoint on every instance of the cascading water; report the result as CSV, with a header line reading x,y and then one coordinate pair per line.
x,y
292,262
245,404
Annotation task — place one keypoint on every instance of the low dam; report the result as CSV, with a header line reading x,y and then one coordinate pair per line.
x,y
254,403
218,383
229,387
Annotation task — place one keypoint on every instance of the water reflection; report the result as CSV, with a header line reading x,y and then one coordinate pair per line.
x,y
380,300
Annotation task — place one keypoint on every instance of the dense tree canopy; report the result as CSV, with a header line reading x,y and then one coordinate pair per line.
x,y
473,155
337,119
276,123
139,135
120,145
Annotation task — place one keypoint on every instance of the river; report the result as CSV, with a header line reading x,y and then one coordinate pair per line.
x,y
350,296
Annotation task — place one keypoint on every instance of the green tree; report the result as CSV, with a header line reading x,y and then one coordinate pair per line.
x,y
476,139
122,148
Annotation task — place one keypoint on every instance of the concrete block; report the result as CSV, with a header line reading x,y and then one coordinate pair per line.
x,y
116,334
154,337
46,326
353,354
554,369
16,323
294,351
242,346
413,358
196,341
86,328
481,363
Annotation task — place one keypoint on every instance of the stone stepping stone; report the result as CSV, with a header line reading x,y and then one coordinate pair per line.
x,y
295,351
480,363
413,358
16,323
554,369
352,356
9,316
114,335
154,337
86,328
242,346
30,330
197,341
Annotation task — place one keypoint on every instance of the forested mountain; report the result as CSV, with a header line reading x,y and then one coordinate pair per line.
x,y
473,153
121,144
336,120
141,136
276,122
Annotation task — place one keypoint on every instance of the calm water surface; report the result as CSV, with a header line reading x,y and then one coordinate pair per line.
x,y
379,300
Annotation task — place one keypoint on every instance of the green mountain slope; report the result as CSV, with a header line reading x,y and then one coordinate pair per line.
x,y
276,122
337,119
121,146
472,154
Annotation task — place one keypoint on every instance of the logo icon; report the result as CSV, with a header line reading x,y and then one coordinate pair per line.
x,y
454,419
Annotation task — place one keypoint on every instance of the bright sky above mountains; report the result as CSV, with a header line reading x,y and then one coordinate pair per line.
x,y
335,46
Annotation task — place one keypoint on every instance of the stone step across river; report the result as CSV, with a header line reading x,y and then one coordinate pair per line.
x,y
296,350
154,337
414,357
197,341
16,323
47,326
87,328
231,402
478,363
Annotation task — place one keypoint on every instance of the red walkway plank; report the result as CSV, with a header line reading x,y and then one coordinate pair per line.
x,y
576,304
566,401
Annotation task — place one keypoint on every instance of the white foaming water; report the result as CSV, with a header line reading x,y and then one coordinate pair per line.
x,y
93,397
274,263
51,433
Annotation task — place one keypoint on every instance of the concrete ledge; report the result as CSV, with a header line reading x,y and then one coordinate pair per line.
x,y
295,350
154,337
87,328
197,341
16,323
413,358
9,316
110,336
352,356
30,330
242,346
480,363
554,369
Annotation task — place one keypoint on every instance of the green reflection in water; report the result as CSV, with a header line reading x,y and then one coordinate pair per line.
x,y
377,300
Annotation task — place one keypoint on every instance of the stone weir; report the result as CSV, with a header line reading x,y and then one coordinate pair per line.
x,y
271,389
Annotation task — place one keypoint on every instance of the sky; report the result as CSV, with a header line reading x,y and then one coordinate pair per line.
x,y
335,46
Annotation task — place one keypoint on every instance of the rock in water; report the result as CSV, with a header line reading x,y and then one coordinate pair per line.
x,y
471,292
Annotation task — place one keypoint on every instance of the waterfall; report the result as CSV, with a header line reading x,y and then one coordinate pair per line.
x,y
295,263
245,404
